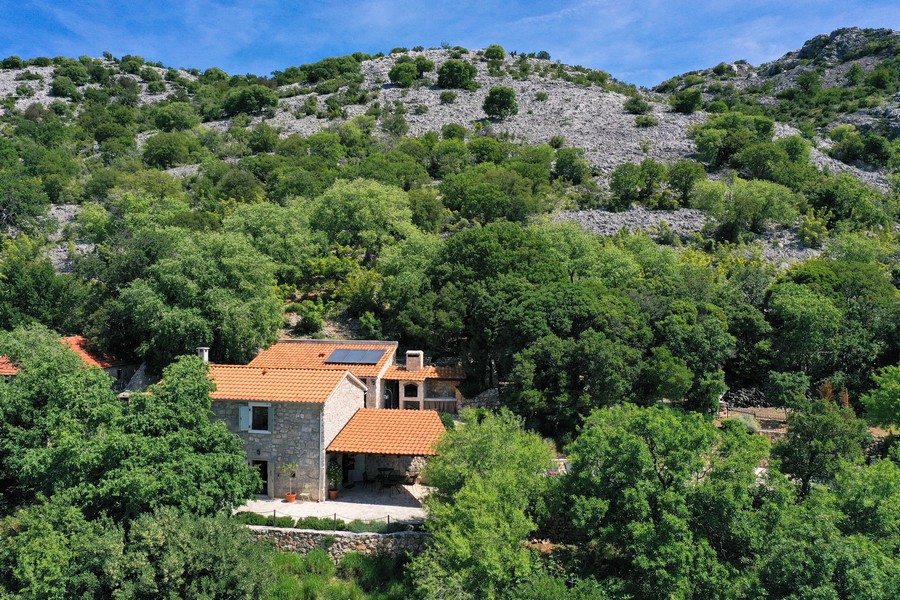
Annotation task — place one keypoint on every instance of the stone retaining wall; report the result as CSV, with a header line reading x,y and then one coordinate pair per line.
x,y
340,543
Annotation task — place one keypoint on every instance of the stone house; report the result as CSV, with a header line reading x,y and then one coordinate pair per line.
x,y
389,384
307,402
286,416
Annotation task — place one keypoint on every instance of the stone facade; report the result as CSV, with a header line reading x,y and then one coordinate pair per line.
x,y
297,437
340,543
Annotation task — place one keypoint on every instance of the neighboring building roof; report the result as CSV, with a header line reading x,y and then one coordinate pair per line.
x,y
90,354
398,373
6,366
313,354
389,431
268,384
82,347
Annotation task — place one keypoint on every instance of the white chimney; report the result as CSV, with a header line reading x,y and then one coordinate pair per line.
x,y
415,360
203,352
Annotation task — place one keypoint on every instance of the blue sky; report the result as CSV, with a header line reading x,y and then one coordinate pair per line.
x,y
641,42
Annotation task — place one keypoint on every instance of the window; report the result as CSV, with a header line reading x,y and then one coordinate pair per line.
x,y
256,417
259,418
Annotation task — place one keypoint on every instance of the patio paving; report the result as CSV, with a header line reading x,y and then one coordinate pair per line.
x,y
359,502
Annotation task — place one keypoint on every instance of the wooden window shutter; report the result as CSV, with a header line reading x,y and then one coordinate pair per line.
x,y
244,417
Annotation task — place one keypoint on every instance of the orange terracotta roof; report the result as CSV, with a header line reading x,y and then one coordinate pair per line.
x,y
397,373
389,431
312,354
91,355
6,366
244,382
82,347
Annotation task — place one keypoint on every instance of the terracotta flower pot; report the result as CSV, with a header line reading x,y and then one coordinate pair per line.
x,y
290,496
332,494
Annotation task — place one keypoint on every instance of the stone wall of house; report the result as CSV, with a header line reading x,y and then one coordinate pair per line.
x,y
343,404
340,543
297,437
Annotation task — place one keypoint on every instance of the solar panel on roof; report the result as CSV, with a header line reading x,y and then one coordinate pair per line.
x,y
355,357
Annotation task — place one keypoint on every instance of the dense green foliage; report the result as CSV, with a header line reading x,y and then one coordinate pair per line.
x,y
617,347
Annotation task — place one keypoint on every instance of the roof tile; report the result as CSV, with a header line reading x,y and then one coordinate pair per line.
x,y
90,354
6,366
389,431
247,382
398,373
312,354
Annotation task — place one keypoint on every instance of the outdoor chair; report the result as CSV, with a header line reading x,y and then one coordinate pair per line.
x,y
303,495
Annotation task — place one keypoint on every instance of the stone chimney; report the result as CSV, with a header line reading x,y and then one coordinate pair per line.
x,y
203,352
415,360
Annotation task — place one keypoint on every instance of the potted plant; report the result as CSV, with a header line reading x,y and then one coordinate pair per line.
x,y
335,477
289,470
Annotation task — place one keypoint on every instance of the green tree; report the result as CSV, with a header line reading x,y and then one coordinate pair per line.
x,y
68,437
23,202
251,99
206,289
363,214
810,557
683,176
642,486
165,150
487,475
457,74
500,103
571,166
686,101
494,52
883,401
403,74
822,439
176,116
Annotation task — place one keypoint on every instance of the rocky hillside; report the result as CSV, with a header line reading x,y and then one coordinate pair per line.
x,y
857,69
585,107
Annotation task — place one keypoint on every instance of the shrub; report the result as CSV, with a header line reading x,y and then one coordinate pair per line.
x,y
394,124
420,109
500,102
541,96
12,62
448,97
636,106
320,524
423,65
447,421
453,131
249,99
399,50
74,71
557,141
403,74
494,52
165,150
686,101
63,87
252,518
457,74
646,121
176,116
716,107
319,563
